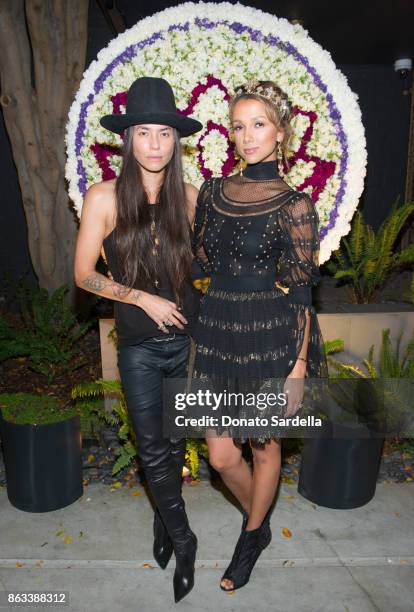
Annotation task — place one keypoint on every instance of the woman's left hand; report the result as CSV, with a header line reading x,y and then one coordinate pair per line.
x,y
294,388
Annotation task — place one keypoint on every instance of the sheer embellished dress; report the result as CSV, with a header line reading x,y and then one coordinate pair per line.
x,y
257,239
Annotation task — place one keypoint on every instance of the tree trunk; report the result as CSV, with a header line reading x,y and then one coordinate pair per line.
x,y
42,58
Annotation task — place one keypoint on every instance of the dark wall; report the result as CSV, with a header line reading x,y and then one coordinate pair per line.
x,y
99,32
386,116
385,113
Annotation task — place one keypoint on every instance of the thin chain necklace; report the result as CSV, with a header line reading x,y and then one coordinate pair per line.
x,y
154,237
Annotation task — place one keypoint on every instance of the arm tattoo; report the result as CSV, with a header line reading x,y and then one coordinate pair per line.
x,y
136,296
118,290
98,283
94,283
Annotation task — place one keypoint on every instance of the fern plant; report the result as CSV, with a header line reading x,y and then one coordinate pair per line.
x,y
48,334
391,363
366,259
333,346
86,393
391,395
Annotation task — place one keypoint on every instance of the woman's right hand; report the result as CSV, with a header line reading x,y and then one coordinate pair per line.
x,y
162,311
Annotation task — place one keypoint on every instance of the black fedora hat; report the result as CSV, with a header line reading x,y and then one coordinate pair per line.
x,y
151,100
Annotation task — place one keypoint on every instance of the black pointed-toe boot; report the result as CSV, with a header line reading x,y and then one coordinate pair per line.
x,y
165,483
163,546
185,548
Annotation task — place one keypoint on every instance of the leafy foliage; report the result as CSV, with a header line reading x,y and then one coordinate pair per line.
x,y
196,447
391,363
365,259
87,392
48,334
390,398
333,346
28,409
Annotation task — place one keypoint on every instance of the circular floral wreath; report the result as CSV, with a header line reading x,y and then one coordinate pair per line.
x,y
205,51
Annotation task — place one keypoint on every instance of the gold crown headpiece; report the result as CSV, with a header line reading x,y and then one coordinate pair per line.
x,y
280,101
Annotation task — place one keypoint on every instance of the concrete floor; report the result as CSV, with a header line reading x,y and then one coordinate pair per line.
x,y
357,560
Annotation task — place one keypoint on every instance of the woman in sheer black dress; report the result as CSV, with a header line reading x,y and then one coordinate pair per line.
x,y
257,238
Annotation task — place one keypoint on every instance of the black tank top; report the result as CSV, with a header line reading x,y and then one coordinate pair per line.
x,y
133,325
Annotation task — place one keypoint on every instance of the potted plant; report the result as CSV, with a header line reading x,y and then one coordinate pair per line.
x,y
339,467
87,394
42,448
47,334
365,259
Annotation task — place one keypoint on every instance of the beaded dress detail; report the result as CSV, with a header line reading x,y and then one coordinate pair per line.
x,y
257,238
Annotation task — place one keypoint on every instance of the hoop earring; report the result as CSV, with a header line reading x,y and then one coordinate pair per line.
x,y
279,155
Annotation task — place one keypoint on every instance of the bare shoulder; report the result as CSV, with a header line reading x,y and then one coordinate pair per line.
x,y
191,194
101,191
100,198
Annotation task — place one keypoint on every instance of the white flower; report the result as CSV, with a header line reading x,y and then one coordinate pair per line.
x,y
185,58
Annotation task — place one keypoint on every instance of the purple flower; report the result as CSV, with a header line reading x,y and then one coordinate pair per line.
x,y
323,169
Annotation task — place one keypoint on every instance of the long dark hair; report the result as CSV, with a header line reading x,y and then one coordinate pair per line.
x,y
133,239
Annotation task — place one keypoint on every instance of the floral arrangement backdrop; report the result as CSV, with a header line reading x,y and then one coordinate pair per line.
x,y
205,51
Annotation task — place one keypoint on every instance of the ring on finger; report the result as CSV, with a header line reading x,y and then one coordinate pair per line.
x,y
168,322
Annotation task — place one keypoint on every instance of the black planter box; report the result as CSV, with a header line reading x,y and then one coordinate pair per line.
x,y
340,472
43,464
377,307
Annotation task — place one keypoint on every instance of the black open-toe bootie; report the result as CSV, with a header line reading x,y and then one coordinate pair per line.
x,y
248,549
265,531
163,546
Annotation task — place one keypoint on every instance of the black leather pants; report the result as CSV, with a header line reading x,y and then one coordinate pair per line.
x,y
142,368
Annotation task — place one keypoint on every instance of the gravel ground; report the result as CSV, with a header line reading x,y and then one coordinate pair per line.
x,y
396,465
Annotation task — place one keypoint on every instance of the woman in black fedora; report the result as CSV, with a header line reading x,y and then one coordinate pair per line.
x,y
143,221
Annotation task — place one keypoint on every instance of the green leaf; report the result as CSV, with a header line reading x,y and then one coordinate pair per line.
x,y
348,272
333,346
